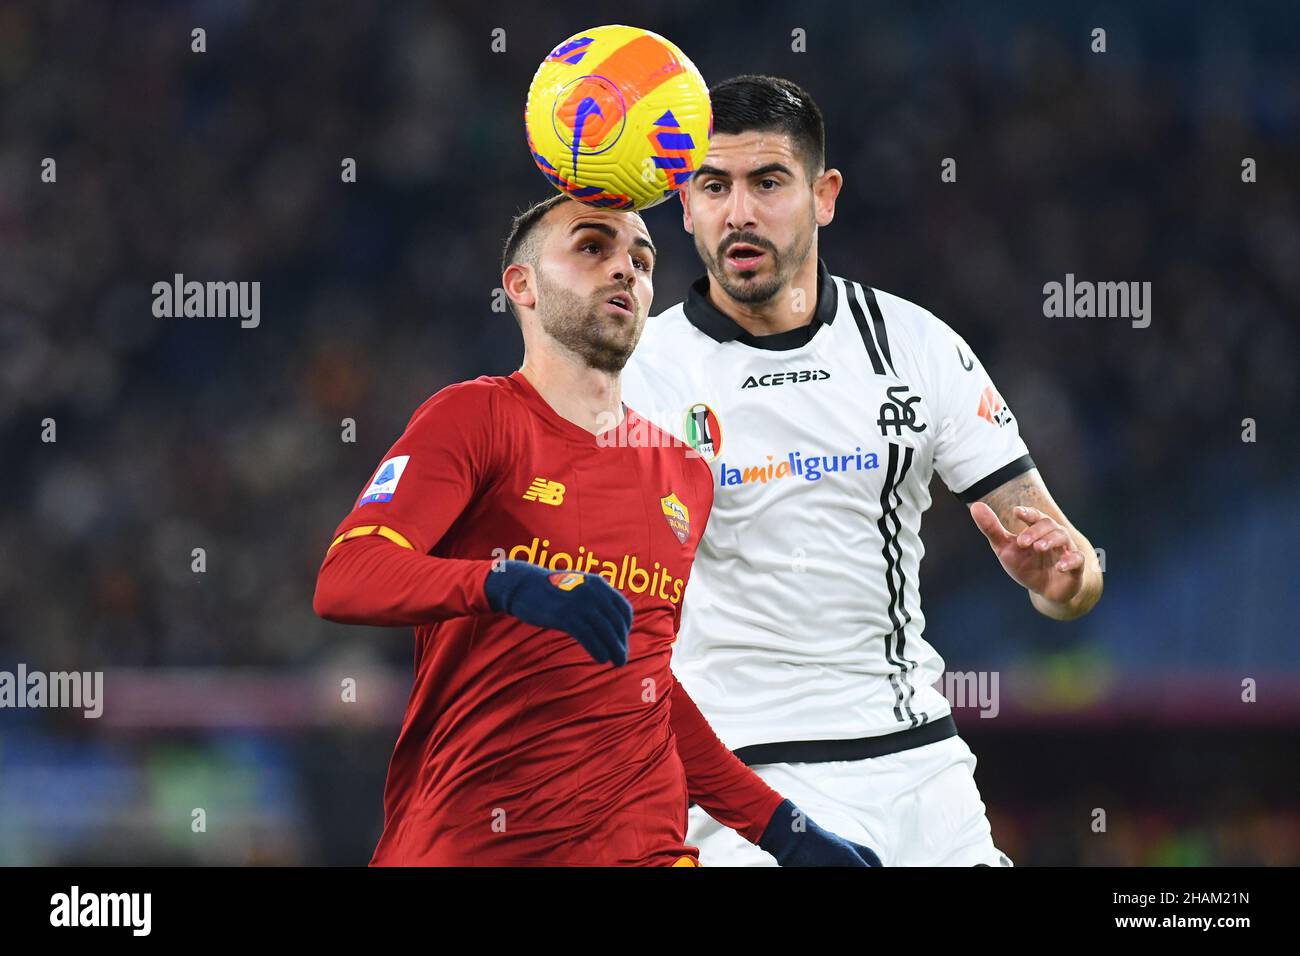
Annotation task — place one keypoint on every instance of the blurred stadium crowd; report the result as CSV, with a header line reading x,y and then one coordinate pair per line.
x,y
175,434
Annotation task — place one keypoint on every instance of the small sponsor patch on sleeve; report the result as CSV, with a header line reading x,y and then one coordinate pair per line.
x,y
383,485
993,409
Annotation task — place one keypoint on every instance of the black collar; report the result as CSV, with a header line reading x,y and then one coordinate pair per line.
x,y
722,328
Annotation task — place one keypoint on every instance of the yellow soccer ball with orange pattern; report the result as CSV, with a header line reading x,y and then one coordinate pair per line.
x,y
618,117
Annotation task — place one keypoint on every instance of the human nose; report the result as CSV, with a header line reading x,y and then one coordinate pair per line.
x,y
622,269
739,211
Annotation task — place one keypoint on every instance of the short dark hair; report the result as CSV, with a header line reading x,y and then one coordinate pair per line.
x,y
522,227
771,104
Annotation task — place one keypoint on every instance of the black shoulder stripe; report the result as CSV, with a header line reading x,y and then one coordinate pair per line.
x,y
996,480
860,318
878,320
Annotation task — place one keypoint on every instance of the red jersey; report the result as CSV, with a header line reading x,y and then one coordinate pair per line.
x,y
517,747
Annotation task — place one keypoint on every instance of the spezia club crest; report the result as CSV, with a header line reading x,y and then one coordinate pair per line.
x,y
703,432
678,518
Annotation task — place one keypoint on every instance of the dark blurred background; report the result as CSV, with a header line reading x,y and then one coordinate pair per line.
x,y
223,688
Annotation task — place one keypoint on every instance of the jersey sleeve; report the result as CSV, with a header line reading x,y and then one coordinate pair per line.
x,y
431,473
376,582
716,778
435,469
978,445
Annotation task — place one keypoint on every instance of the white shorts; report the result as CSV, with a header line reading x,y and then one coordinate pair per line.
x,y
917,807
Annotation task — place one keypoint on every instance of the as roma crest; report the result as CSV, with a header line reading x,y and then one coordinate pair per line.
x,y
566,580
678,518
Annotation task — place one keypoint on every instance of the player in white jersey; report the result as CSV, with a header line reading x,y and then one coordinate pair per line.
x,y
823,407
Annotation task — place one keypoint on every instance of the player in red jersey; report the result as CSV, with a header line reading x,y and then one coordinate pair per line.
x,y
539,535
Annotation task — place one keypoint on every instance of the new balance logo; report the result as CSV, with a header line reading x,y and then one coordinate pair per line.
x,y
546,492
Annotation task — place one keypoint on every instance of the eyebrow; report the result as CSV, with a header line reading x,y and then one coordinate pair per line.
x,y
608,230
707,170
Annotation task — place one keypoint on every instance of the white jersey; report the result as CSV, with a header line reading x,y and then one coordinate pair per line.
x,y
802,619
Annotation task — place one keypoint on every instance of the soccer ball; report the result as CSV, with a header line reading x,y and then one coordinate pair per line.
x,y
618,117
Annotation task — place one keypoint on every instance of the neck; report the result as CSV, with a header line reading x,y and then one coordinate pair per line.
x,y
791,308
588,397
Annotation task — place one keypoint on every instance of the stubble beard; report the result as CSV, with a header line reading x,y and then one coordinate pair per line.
x,y
785,262
576,323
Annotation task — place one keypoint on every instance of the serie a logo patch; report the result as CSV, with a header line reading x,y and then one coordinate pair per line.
x,y
384,483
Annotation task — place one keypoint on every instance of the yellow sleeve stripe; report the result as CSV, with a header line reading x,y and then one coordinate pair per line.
x,y
364,530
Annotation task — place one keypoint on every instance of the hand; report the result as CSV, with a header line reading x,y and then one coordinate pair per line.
x,y
583,605
1042,557
795,840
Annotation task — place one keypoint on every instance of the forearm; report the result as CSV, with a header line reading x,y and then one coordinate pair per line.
x,y
374,581
1028,493
716,778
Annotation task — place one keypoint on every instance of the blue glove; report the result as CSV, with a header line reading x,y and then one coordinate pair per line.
x,y
811,845
582,605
